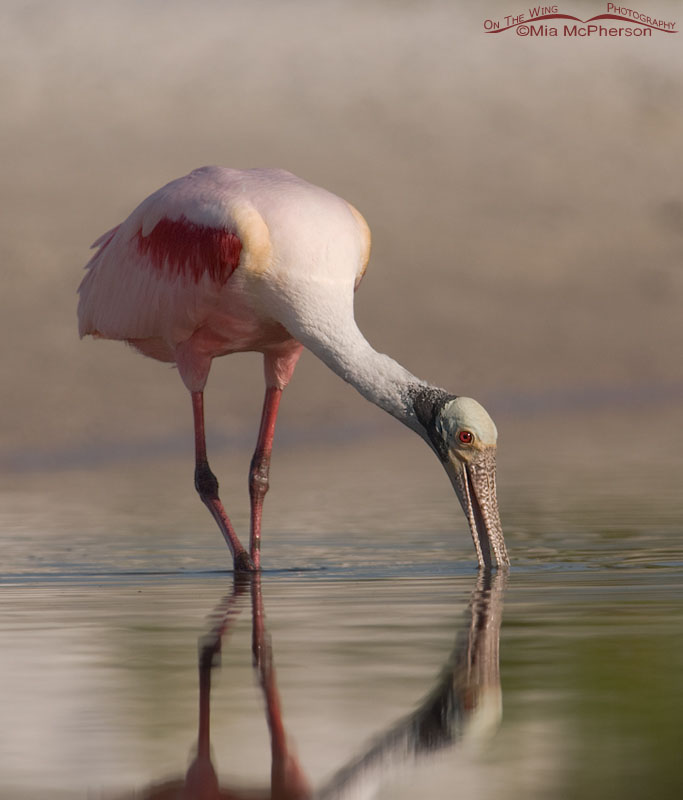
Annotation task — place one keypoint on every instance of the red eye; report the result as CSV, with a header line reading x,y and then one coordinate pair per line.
x,y
466,437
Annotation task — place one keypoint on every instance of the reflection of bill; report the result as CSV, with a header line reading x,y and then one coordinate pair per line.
x,y
464,705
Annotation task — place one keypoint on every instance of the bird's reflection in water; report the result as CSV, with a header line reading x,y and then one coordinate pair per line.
x,y
465,703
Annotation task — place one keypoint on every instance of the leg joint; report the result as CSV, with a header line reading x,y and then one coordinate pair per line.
x,y
205,481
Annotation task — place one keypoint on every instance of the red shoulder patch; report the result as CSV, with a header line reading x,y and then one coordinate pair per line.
x,y
180,247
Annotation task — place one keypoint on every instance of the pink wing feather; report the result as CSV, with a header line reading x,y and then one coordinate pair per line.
x,y
155,275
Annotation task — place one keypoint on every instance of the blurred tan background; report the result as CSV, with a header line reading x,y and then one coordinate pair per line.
x,y
525,198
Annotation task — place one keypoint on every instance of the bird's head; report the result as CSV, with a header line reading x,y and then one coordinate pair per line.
x,y
464,437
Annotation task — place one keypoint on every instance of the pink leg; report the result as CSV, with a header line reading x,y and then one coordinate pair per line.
x,y
207,486
260,469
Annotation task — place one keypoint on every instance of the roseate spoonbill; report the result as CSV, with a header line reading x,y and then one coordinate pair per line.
x,y
224,261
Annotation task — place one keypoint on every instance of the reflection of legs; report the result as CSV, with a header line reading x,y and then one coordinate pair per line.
x,y
201,779
260,469
287,777
207,486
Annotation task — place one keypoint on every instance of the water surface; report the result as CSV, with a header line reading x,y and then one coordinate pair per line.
x,y
380,643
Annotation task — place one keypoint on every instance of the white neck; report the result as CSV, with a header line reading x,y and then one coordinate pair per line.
x,y
379,378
